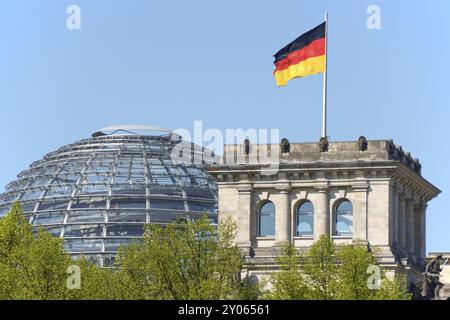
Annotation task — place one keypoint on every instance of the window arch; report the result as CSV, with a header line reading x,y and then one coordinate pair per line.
x,y
266,220
343,218
305,219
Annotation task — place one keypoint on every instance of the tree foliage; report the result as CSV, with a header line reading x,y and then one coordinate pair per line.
x,y
31,266
182,260
329,272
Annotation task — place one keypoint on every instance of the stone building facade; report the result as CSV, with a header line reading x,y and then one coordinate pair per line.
x,y
358,190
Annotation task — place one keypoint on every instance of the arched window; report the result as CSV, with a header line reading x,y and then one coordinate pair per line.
x,y
305,219
266,220
344,218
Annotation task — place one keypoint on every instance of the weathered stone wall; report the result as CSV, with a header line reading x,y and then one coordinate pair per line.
x,y
382,182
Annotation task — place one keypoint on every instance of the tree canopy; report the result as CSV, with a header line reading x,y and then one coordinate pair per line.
x,y
182,260
327,271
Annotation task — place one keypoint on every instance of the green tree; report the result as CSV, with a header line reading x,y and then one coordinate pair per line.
x,y
288,284
354,261
184,260
326,271
31,266
319,268
392,289
97,283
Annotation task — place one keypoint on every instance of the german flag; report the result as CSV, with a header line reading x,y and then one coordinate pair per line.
x,y
304,56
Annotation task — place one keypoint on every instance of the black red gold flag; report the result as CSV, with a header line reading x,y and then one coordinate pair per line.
x,y
304,56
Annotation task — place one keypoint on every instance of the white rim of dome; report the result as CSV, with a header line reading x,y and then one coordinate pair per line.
x,y
129,129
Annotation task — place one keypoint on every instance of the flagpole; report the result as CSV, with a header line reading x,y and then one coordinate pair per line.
x,y
324,98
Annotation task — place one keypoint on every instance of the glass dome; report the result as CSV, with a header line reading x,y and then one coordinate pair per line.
x,y
97,194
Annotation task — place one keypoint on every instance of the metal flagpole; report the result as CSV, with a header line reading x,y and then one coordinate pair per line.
x,y
324,115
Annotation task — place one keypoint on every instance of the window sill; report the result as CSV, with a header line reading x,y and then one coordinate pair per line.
x,y
265,238
303,237
342,237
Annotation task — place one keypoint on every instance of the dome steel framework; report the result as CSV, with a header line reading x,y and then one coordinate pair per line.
x,y
98,193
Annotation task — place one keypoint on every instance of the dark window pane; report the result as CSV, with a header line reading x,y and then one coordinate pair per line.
x,y
94,189
114,244
132,230
54,205
199,193
165,192
40,181
65,179
124,216
203,207
306,207
344,218
165,216
31,194
163,180
129,203
305,224
166,204
89,203
267,220
345,206
86,216
87,231
268,208
49,218
133,189
59,191
54,231
305,219
266,225
28,206
81,245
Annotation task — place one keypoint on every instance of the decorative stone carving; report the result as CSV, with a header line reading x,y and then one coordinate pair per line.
x,y
323,144
431,284
285,146
362,143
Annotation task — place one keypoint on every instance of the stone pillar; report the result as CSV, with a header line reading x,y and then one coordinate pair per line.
x,y
393,217
417,230
401,224
283,218
423,227
409,212
321,215
244,217
359,201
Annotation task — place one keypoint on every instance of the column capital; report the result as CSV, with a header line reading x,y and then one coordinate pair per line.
x,y
420,207
321,189
244,188
283,188
360,186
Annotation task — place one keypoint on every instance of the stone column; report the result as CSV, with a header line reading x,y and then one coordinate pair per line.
x,y
417,230
423,227
409,212
244,217
283,218
401,224
359,200
321,216
393,228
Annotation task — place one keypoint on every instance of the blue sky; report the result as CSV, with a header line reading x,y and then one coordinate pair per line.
x,y
168,63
